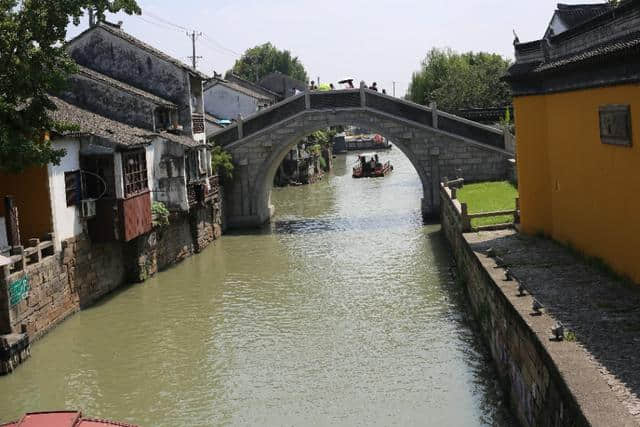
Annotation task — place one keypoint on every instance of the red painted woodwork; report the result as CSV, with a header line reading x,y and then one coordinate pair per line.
x,y
135,213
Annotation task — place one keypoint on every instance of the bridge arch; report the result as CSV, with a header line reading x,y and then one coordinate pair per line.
x,y
260,142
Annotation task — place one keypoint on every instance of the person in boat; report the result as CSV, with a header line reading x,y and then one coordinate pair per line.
x,y
377,161
373,164
374,86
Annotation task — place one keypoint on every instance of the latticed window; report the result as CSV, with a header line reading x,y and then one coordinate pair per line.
x,y
134,165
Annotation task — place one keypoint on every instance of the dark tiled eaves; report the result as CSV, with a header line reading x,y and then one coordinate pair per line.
x,y
142,45
252,86
93,124
240,89
181,139
99,77
114,131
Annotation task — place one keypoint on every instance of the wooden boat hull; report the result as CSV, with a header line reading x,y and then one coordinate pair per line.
x,y
379,172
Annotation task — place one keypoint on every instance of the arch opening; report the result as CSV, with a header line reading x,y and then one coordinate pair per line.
x,y
264,179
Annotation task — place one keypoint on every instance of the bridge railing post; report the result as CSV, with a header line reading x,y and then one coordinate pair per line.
x,y
307,99
363,96
434,114
240,124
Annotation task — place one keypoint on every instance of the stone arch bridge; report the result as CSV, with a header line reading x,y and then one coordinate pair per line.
x,y
437,144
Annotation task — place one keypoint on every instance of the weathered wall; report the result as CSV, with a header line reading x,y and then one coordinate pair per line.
x,y
103,51
167,175
109,101
187,234
531,374
62,284
433,153
66,219
226,103
568,177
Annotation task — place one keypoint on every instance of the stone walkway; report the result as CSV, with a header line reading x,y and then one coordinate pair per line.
x,y
602,311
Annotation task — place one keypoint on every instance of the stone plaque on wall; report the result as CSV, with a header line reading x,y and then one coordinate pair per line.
x,y
615,124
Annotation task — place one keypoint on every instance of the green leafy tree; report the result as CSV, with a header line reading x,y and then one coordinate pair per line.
x,y
261,60
221,162
454,80
33,64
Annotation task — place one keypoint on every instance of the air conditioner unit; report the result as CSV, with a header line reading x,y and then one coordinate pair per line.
x,y
175,128
88,208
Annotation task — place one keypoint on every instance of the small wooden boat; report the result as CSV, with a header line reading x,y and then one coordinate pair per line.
x,y
368,165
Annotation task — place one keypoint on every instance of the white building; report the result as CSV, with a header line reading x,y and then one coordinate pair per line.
x,y
228,100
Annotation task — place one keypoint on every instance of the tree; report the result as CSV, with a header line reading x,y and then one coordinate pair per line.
x,y
33,65
261,60
464,80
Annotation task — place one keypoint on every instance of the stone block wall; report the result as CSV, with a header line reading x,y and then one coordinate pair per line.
x,y
536,390
60,285
186,234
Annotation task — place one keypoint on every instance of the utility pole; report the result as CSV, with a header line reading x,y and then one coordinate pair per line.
x,y
194,58
394,89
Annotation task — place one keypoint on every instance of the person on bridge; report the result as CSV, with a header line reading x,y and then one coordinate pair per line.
x,y
374,86
331,86
313,86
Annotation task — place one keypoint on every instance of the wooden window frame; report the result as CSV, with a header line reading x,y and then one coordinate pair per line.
x,y
72,187
134,172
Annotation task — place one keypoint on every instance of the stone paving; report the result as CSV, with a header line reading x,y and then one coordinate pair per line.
x,y
602,311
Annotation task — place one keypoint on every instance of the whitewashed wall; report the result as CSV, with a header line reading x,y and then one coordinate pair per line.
x,y
226,103
66,219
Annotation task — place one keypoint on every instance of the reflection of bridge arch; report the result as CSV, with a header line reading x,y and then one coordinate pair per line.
x,y
436,143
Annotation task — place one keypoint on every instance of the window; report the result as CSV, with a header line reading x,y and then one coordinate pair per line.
x,y
72,187
615,125
134,166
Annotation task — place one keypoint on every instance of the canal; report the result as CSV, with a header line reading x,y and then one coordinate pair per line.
x,y
342,312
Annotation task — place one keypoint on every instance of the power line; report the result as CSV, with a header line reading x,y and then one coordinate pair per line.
x,y
220,45
161,19
165,27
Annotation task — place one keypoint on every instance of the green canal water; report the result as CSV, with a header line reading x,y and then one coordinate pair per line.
x,y
342,312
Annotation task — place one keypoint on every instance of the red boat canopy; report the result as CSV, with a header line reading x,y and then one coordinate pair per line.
x,y
61,419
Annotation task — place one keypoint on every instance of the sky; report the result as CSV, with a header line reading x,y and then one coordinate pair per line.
x,y
370,40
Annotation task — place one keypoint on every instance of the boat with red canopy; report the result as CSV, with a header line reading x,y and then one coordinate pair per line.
x,y
369,165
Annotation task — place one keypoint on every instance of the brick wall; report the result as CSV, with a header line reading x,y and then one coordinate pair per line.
x,y
186,234
60,285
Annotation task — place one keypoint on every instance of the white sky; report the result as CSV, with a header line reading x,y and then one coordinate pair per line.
x,y
371,40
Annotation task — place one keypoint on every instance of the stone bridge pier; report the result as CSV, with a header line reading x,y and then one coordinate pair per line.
x,y
434,152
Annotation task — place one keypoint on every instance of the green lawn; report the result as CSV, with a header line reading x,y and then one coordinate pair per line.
x,y
489,197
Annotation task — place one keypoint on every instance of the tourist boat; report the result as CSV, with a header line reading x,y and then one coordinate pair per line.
x,y
368,165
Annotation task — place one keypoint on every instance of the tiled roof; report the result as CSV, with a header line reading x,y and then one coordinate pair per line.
x,y
94,124
94,75
250,85
236,87
574,15
606,49
181,139
142,45
117,132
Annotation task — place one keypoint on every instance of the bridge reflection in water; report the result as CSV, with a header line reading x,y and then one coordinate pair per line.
x,y
343,312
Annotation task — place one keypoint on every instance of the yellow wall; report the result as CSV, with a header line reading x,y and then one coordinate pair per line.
x,y
574,188
31,194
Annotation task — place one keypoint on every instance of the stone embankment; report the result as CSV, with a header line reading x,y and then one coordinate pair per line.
x,y
40,295
588,378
